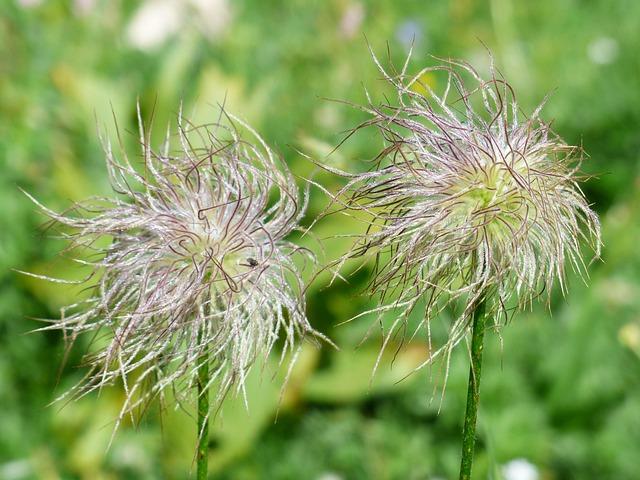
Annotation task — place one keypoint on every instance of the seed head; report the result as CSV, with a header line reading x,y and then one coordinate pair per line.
x,y
468,200
197,264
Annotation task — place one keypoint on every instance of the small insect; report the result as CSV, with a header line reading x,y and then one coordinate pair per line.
x,y
252,262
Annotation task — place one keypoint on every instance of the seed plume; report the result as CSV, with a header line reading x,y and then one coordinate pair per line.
x,y
195,263
469,199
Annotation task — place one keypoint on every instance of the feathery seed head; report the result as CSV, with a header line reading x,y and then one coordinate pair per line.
x,y
198,263
469,199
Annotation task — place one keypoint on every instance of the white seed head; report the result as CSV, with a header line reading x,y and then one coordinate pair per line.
x,y
197,266
469,199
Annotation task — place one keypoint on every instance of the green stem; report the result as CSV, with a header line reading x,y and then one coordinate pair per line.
x,y
473,392
203,416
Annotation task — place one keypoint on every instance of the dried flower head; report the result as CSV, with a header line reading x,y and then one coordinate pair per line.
x,y
197,266
468,200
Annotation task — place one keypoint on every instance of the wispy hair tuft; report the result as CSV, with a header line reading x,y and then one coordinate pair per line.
x,y
468,200
196,264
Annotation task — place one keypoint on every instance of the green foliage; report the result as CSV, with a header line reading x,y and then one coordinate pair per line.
x,y
561,386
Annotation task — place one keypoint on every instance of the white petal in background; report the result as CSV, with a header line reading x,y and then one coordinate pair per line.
x,y
352,19
28,3
82,8
602,50
154,23
520,469
213,16
158,20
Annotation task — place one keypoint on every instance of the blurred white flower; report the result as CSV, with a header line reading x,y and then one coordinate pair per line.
x,y
82,8
158,20
520,469
154,22
28,3
213,16
603,50
16,470
352,20
330,476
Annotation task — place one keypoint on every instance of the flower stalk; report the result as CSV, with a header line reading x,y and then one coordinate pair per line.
x,y
473,391
203,414
470,204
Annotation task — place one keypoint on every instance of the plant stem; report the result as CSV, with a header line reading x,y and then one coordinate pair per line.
x,y
203,415
473,391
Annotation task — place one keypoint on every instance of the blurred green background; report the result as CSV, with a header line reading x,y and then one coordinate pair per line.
x,y
561,388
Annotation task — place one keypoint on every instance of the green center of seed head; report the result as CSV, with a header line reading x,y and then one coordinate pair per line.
x,y
206,246
489,195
